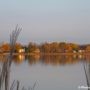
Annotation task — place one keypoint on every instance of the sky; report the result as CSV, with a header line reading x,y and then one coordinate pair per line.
x,y
46,20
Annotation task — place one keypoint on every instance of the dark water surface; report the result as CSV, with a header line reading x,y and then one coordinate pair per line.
x,y
49,72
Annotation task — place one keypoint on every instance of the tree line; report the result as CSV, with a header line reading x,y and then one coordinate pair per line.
x,y
53,47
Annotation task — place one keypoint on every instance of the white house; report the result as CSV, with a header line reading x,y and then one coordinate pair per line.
x,y
21,50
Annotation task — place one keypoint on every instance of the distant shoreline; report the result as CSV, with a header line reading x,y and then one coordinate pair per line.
x,y
47,53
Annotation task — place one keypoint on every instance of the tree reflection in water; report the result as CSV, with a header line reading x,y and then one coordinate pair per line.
x,y
48,59
54,60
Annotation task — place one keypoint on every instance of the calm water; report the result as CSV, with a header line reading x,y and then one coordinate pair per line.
x,y
49,72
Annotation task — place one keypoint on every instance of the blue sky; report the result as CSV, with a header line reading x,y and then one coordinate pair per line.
x,y
46,20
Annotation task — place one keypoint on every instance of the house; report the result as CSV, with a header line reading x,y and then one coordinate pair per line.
x,y
21,50
81,51
74,51
82,48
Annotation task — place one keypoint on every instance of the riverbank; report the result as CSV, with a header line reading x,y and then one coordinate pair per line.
x,y
47,53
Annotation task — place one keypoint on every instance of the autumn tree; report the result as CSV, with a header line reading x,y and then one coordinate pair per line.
x,y
45,48
88,48
17,47
62,47
32,47
54,47
5,47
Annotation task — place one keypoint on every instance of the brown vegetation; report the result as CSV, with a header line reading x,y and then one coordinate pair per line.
x,y
46,48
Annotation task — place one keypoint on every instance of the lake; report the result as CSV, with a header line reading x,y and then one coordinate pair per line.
x,y
49,72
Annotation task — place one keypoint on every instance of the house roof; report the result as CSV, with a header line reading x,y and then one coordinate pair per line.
x,y
82,47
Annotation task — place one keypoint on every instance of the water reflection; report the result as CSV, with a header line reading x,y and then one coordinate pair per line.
x,y
54,60
49,59
18,59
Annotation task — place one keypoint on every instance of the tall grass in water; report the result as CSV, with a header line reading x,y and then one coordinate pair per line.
x,y
87,73
5,69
